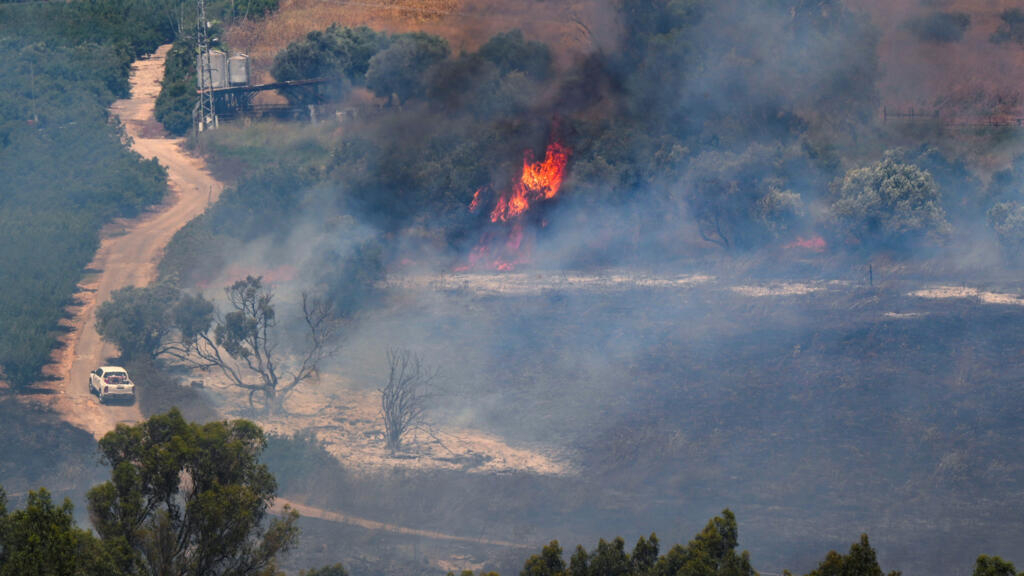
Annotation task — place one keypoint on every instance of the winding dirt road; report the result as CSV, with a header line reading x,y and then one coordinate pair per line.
x,y
129,252
321,514
128,256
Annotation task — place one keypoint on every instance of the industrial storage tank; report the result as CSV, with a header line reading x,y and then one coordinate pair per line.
x,y
238,70
213,70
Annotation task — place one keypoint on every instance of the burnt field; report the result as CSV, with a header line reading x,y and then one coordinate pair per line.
x,y
816,411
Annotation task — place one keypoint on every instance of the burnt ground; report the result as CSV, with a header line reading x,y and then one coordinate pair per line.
x,y
814,415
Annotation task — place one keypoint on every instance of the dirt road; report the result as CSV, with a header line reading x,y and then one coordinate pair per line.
x,y
322,514
129,252
128,256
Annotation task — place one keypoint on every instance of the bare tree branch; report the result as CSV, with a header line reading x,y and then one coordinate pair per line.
x,y
403,397
241,345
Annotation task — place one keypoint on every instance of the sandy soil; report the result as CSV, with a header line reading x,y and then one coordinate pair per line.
x,y
786,288
312,512
524,284
128,254
983,296
348,422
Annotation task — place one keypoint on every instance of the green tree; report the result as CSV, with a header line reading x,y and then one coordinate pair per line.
x,y
475,85
889,202
352,279
548,563
51,212
190,499
401,69
137,320
645,555
177,96
579,564
339,53
860,561
712,552
993,566
740,199
1007,220
510,52
42,540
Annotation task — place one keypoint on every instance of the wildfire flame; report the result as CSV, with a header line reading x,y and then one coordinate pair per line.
x,y
540,180
476,201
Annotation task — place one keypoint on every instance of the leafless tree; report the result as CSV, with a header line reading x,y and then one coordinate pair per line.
x,y
241,344
404,395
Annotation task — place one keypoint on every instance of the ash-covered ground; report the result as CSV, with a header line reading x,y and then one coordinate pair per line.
x,y
815,409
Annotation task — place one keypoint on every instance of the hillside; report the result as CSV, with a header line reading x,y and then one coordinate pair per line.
x,y
617,267
956,72
691,322
571,27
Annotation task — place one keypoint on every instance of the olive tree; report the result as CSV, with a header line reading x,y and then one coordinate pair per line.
x,y
339,53
889,202
741,200
401,69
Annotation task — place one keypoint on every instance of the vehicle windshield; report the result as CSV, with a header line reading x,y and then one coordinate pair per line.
x,y
116,378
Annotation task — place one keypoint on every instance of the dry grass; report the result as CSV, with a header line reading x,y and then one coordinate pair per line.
x,y
347,420
569,27
957,77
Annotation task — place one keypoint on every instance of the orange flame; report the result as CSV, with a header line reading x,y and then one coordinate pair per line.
x,y
540,180
476,201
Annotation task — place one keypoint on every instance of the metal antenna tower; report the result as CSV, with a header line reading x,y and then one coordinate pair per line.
x,y
207,117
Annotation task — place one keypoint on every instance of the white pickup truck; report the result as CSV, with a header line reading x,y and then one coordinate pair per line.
x,y
110,382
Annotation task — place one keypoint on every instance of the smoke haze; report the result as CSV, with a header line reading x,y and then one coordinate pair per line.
x,y
691,323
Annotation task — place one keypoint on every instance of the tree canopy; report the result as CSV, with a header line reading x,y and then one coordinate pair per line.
x,y
42,540
993,566
711,553
337,52
401,68
189,499
889,202
137,320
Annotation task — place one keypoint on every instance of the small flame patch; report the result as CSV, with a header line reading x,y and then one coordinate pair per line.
x,y
815,243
